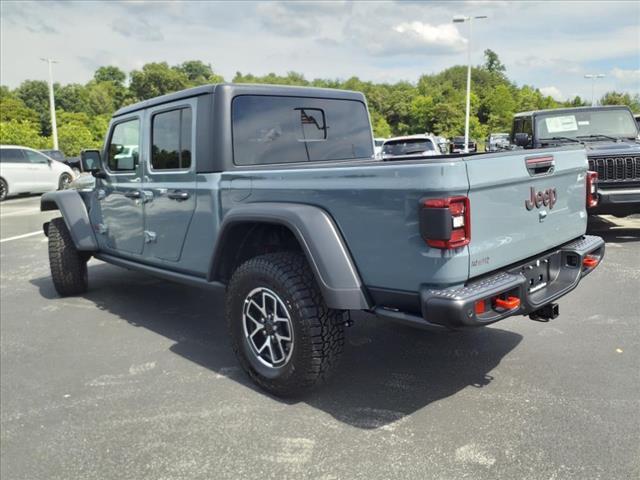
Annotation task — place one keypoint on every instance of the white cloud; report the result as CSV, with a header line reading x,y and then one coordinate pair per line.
x,y
553,92
422,34
626,77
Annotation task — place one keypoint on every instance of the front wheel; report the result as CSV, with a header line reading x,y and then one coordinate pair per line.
x,y
68,265
283,333
64,182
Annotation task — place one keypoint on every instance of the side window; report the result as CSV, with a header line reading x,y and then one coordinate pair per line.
x,y
171,140
272,130
527,126
12,155
123,154
35,157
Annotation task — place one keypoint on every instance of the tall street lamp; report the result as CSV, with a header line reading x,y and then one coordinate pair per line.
x,y
462,19
52,104
593,77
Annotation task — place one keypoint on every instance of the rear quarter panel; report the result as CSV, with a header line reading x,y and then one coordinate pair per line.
x,y
375,206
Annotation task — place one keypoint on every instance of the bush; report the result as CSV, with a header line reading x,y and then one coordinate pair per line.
x,y
23,133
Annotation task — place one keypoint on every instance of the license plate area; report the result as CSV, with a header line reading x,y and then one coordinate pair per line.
x,y
537,274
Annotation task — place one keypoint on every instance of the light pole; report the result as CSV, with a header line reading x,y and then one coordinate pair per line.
x,y
462,19
593,77
52,103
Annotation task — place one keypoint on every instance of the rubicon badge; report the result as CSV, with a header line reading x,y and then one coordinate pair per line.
x,y
546,197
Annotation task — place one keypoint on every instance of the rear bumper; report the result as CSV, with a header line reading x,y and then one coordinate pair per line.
x,y
617,201
457,306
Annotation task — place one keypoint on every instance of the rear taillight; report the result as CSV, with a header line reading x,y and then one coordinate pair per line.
x,y
445,222
592,189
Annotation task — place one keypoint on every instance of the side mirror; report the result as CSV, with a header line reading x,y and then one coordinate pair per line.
x,y
90,160
522,139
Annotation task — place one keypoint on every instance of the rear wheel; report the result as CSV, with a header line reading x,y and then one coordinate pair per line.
x,y
285,336
4,189
65,180
68,265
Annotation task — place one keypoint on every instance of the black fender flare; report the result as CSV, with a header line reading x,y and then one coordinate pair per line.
x,y
320,241
75,214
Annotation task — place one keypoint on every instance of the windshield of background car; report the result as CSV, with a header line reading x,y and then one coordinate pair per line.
x,y
614,123
272,130
407,147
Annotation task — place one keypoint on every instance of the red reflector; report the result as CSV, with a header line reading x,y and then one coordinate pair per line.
x,y
590,261
509,303
479,307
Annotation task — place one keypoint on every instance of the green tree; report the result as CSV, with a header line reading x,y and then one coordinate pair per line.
x,y
619,98
25,133
381,128
72,97
156,79
198,73
73,138
492,62
110,74
12,108
35,95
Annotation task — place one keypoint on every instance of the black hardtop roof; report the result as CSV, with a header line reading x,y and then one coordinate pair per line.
x,y
569,110
244,89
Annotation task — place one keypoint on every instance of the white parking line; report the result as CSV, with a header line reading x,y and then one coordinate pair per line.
x,y
18,237
27,211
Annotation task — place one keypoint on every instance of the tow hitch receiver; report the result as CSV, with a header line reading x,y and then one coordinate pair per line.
x,y
546,313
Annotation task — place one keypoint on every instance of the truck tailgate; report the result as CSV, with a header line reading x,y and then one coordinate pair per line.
x,y
520,209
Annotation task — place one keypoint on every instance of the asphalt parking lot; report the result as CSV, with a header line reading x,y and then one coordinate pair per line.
x,y
136,380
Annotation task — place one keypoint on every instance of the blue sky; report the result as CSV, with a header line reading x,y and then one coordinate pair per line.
x,y
550,45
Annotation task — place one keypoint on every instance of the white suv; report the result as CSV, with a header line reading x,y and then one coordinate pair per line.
x,y
25,170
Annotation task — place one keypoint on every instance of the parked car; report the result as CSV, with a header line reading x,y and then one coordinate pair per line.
x,y
637,117
457,145
72,162
270,194
399,147
25,170
496,142
609,135
377,147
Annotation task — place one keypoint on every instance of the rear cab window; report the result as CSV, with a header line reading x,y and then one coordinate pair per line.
x,y
411,146
274,130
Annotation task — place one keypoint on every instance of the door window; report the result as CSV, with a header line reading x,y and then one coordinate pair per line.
x,y
171,140
35,157
123,153
12,155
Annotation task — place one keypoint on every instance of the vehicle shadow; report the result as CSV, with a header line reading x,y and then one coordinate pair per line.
x,y
612,229
388,371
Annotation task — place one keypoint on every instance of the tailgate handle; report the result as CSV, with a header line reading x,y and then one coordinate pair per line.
x,y
540,165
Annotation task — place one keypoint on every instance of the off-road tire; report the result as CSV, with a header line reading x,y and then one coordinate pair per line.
x,y
64,181
68,265
4,189
318,331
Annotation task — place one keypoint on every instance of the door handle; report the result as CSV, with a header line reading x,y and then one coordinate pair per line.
x,y
133,194
178,195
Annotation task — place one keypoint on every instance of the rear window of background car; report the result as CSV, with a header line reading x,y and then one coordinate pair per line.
x,y
272,130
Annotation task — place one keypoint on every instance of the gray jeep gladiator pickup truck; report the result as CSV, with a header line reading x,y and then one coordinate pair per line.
x,y
610,137
273,195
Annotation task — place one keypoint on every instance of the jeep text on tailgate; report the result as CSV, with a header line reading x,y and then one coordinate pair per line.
x,y
273,194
